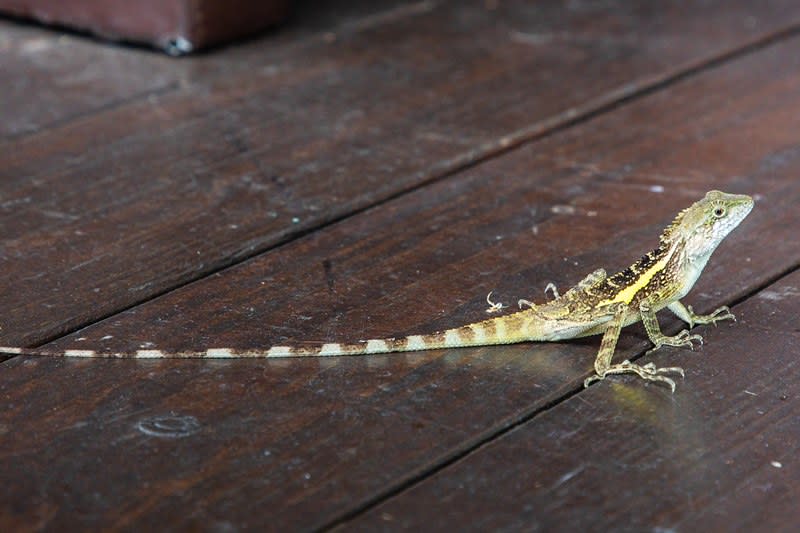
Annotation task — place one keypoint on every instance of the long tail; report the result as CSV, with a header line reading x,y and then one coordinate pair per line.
x,y
506,329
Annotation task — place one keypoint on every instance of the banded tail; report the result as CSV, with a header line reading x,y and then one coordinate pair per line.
x,y
506,329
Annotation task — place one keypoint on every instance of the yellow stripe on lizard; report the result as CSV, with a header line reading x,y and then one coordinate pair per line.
x,y
627,294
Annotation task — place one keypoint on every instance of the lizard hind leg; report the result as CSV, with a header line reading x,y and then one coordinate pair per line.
x,y
603,366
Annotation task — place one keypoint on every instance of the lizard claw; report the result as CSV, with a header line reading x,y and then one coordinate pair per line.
x,y
721,313
551,287
651,367
647,372
494,307
522,303
684,339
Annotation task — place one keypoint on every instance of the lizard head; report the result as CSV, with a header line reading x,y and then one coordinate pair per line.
x,y
703,225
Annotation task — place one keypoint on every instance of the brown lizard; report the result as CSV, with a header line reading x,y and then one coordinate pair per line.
x,y
599,304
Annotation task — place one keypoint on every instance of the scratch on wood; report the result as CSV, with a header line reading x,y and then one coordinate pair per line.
x,y
328,268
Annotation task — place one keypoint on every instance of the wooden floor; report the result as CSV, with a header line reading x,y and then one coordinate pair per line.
x,y
375,169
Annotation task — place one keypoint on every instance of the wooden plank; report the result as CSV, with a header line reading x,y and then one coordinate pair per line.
x,y
304,443
719,455
52,78
49,79
122,206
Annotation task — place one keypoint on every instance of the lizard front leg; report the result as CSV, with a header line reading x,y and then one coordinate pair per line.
x,y
682,339
686,313
603,366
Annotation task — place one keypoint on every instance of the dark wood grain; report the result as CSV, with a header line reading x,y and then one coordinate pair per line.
x,y
121,206
53,79
305,443
50,79
719,455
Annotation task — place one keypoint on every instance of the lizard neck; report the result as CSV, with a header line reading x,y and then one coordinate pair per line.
x,y
690,268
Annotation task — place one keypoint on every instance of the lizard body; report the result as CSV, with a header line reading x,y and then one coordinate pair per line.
x,y
598,305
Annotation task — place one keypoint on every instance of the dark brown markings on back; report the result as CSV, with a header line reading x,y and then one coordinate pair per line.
x,y
617,283
630,275
664,282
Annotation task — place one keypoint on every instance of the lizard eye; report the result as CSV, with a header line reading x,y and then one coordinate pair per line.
x,y
719,212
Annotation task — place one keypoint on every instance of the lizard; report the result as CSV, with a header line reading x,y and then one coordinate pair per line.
x,y
598,305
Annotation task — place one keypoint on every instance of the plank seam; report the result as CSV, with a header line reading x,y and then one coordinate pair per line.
x,y
77,117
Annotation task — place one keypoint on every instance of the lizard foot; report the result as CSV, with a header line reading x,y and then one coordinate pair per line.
x,y
647,372
494,307
520,303
551,287
723,313
683,339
